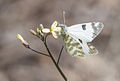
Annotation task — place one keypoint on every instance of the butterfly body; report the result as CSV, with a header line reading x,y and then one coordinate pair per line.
x,y
77,38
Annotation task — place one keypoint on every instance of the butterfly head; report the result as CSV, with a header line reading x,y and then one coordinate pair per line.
x,y
63,28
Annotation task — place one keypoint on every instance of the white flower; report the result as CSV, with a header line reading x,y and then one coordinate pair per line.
x,y
54,29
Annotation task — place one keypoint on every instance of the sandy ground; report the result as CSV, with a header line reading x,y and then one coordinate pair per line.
x,y
20,64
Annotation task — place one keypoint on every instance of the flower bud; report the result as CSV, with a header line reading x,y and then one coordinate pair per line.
x,y
41,26
33,32
25,43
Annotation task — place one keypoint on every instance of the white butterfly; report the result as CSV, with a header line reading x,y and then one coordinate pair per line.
x,y
77,38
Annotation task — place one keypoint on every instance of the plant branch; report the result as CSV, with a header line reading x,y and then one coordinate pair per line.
x,y
38,52
60,55
45,38
52,58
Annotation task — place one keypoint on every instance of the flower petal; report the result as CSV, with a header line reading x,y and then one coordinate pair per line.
x,y
55,35
46,30
55,23
57,29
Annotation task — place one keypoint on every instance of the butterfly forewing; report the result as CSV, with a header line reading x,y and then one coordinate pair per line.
x,y
85,31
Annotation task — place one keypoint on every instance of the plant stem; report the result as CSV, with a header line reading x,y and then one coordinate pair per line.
x,y
60,55
38,52
57,66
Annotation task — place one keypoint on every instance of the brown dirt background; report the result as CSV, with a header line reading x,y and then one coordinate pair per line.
x,y
20,64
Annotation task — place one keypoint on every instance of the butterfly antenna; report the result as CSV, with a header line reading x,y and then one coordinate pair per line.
x,y
63,17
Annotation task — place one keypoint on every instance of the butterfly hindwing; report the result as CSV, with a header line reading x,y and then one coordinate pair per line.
x,y
76,49
87,48
92,49
72,46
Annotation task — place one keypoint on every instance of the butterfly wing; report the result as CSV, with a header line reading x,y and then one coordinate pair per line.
x,y
92,49
85,31
76,38
72,46
87,48
75,48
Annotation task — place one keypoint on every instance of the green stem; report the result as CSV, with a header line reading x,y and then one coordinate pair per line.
x,y
57,66
38,52
60,55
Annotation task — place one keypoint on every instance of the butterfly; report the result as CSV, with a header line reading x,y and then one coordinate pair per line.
x,y
77,38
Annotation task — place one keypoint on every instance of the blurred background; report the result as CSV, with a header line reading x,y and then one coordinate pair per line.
x,y
20,64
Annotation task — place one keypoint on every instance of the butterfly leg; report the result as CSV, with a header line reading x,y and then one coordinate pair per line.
x,y
60,55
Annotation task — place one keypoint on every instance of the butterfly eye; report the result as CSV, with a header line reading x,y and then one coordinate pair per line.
x,y
84,27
